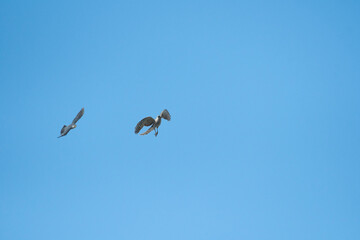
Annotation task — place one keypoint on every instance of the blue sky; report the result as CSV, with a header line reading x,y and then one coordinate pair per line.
x,y
263,141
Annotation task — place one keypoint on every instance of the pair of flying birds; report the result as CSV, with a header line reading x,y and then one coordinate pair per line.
x,y
148,121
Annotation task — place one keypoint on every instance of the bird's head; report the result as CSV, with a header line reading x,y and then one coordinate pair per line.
x,y
73,126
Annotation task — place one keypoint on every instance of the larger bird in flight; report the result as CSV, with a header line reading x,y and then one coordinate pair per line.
x,y
66,129
154,123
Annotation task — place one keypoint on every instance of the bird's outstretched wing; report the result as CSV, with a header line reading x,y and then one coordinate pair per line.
x,y
147,131
144,122
63,129
165,114
78,116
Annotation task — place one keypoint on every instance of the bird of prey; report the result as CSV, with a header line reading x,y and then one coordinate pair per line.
x,y
65,129
154,123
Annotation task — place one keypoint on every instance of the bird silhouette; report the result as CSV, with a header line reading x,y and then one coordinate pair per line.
x,y
153,123
66,129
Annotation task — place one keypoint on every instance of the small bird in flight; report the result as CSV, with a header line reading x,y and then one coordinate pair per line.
x,y
66,129
154,123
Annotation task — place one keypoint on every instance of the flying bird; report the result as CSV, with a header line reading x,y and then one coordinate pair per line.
x,y
154,123
66,129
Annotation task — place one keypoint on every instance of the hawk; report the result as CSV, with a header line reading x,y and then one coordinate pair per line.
x,y
154,123
66,129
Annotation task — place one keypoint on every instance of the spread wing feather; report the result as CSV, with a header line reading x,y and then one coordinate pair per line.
x,y
78,116
144,122
147,131
165,114
63,129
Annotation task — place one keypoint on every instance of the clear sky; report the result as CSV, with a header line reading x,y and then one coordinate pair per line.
x,y
264,137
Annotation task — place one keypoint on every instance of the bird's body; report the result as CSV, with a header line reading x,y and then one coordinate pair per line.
x,y
157,122
153,123
66,129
